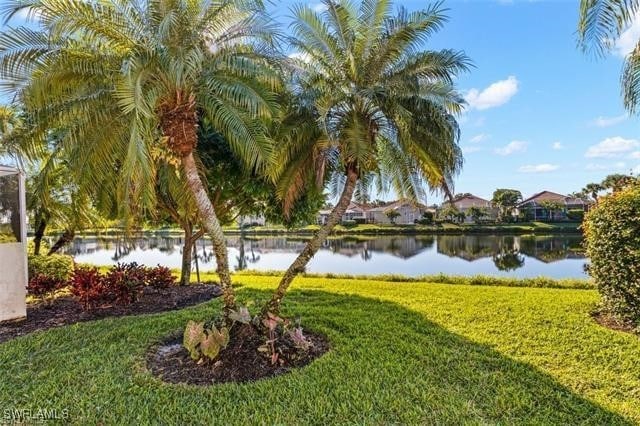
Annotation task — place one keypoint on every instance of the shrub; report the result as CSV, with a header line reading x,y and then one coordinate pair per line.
x,y
159,277
576,215
87,286
612,233
349,223
124,282
56,266
43,286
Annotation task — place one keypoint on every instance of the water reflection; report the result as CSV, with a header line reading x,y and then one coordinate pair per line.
x,y
557,255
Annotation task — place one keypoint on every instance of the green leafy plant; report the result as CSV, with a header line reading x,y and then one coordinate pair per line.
x,y
56,266
204,341
612,233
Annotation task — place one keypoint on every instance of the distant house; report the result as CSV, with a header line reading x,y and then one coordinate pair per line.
x,y
534,206
252,220
353,212
463,204
408,212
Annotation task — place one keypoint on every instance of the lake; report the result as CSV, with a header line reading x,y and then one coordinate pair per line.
x,y
556,256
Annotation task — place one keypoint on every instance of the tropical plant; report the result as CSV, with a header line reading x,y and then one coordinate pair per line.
x,y
449,213
129,82
616,182
552,207
600,25
477,213
506,200
371,106
392,214
593,189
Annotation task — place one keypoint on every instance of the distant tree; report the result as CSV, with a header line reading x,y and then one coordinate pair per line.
x,y
593,189
617,182
477,213
552,207
506,200
392,214
448,213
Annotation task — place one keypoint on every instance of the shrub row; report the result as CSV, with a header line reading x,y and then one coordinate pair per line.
x,y
120,284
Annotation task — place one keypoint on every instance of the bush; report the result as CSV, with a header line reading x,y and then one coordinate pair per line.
x,y
43,287
56,266
159,277
87,286
612,233
122,284
576,215
349,223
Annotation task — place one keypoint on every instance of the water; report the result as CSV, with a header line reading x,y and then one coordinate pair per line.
x,y
556,256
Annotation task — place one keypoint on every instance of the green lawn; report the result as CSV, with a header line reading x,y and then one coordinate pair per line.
x,y
402,352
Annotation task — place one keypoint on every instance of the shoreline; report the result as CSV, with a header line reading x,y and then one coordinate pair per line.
x,y
540,228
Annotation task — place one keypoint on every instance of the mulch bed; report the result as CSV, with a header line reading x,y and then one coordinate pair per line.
x,y
239,362
66,310
607,320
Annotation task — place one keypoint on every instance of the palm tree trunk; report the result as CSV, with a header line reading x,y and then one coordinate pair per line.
x,y
67,236
211,224
312,247
187,252
37,236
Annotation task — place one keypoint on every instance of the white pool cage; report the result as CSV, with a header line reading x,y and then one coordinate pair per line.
x,y
13,244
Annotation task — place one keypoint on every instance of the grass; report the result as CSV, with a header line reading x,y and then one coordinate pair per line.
x,y
443,228
381,229
401,353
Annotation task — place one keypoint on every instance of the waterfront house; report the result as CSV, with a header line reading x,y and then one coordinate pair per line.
x,y
466,202
409,212
353,212
536,206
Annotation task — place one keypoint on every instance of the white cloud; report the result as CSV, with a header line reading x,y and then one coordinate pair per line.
x,y
611,167
479,138
512,147
557,146
496,94
635,155
470,149
538,168
318,7
612,148
609,121
629,37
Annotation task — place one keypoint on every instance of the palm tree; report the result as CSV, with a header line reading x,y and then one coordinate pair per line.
x,y
374,107
129,82
593,189
600,25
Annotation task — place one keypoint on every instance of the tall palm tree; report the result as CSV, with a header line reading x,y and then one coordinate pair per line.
x,y
129,80
374,107
600,25
593,189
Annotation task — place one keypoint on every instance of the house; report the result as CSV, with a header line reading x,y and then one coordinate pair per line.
x,y
251,220
353,212
536,207
408,212
463,204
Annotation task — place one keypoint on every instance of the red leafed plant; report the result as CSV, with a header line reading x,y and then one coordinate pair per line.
x,y
44,287
87,286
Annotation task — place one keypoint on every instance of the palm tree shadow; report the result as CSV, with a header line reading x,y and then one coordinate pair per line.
x,y
420,361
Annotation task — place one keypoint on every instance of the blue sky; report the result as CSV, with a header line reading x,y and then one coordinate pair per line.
x,y
542,115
